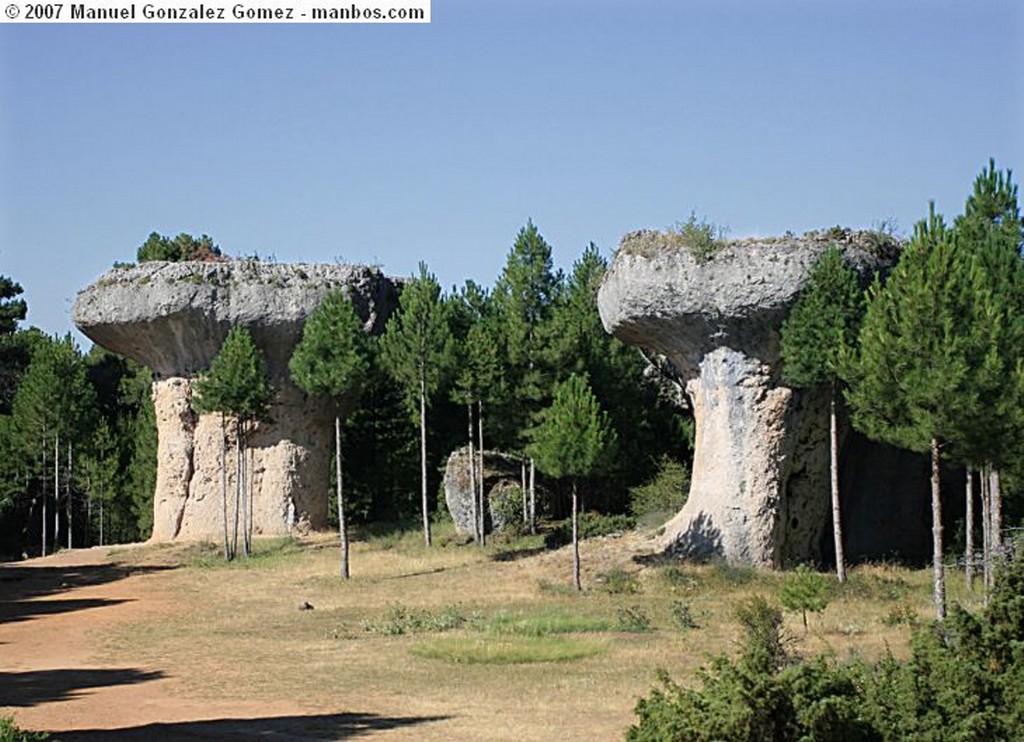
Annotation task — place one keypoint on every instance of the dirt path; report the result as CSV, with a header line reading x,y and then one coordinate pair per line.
x,y
53,612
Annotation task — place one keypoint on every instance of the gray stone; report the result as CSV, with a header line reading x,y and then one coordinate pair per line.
x,y
173,317
500,472
759,488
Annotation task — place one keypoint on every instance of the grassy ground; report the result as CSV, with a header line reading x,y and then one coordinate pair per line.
x,y
492,643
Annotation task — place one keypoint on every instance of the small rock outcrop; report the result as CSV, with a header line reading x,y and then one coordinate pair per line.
x,y
173,317
501,471
759,487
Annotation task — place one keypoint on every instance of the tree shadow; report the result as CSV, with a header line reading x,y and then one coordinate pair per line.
x,y
20,582
48,686
316,728
29,609
700,542
514,555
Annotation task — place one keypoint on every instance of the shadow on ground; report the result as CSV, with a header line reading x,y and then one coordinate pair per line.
x,y
317,728
20,582
47,686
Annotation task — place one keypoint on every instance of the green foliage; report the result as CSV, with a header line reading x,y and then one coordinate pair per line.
x,y
633,620
962,682
237,383
506,505
508,651
331,358
618,581
804,590
10,732
591,525
417,345
699,236
182,247
682,616
14,356
545,623
575,437
665,493
401,620
823,322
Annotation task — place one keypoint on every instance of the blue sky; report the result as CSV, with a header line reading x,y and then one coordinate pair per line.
x,y
395,144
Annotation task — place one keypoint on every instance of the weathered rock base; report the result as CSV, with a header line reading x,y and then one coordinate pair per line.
x,y
500,472
288,462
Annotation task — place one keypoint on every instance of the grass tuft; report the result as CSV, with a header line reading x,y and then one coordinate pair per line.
x,y
515,650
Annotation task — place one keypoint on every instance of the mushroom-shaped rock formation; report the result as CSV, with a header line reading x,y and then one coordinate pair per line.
x,y
173,317
759,487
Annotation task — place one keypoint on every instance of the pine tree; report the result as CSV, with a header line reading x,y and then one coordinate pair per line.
x,y
822,324
53,409
417,349
14,354
330,361
524,297
909,382
237,385
992,233
574,439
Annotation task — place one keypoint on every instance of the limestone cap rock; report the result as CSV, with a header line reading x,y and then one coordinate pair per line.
x,y
173,317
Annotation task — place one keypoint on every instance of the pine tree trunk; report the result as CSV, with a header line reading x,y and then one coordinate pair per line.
x,y
533,498
526,517
483,501
67,486
997,512
228,554
56,493
837,523
969,531
937,565
423,459
342,529
986,532
238,488
43,485
472,475
575,538
101,522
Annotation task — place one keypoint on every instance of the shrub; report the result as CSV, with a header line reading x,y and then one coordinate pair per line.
x,y
964,681
665,493
699,236
682,616
618,581
591,525
804,590
10,732
633,620
506,504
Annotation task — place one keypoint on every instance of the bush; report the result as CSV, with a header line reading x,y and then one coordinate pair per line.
x,y
591,525
665,493
634,620
506,504
804,590
964,681
618,581
699,236
682,616
10,732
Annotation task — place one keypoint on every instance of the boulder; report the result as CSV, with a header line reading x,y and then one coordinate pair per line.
x,y
501,471
759,488
173,317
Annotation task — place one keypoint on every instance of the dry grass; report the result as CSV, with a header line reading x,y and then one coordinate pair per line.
x,y
238,631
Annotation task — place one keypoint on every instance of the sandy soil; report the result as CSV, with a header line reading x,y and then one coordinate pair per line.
x,y
53,612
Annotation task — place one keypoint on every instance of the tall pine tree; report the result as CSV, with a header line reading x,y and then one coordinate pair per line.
x,y
822,324
237,385
574,439
417,349
909,382
330,361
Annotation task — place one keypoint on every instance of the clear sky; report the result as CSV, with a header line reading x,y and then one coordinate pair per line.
x,y
392,144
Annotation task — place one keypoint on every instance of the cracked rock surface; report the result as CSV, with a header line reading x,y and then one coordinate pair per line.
x,y
759,487
173,317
